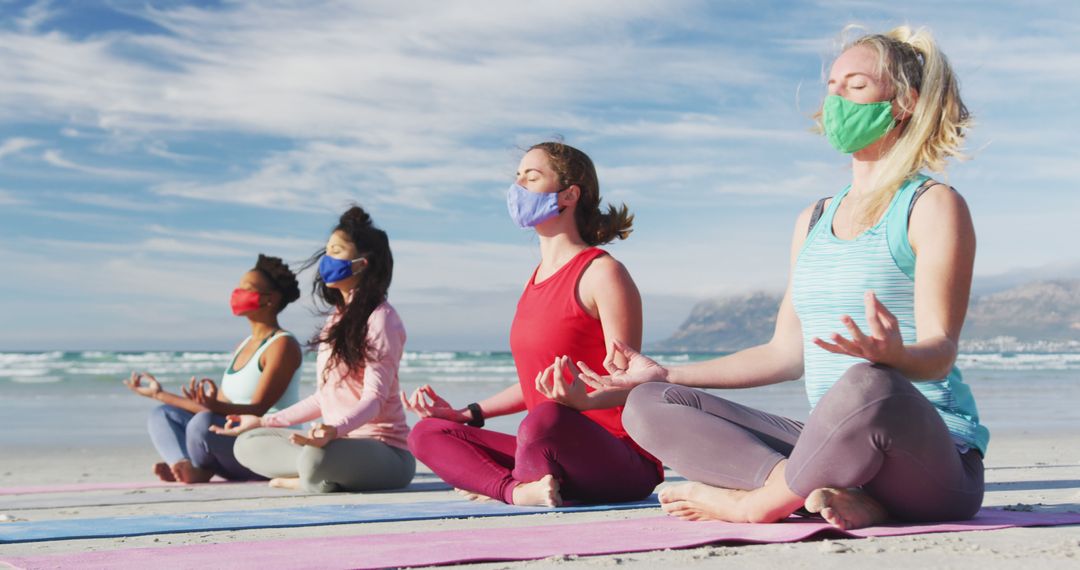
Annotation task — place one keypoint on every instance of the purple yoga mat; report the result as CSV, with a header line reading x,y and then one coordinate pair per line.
x,y
490,544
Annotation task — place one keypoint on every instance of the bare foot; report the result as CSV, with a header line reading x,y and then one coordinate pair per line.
x,y
292,483
473,496
185,472
700,502
163,472
542,493
846,509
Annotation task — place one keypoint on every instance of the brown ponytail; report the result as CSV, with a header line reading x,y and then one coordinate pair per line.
x,y
576,168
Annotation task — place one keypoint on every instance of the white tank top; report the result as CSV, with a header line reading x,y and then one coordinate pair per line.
x,y
239,385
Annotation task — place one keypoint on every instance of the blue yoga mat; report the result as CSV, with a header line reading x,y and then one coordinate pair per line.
x,y
319,515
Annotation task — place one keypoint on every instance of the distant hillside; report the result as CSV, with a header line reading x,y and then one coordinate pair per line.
x,y
725,324
1041,316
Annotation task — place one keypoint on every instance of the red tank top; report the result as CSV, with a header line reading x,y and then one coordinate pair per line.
x,y
550,322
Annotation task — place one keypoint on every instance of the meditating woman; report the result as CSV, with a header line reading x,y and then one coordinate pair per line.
x,y
264,375
361,442
894,432
571,444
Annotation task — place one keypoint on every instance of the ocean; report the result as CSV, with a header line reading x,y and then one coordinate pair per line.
x,y
77,399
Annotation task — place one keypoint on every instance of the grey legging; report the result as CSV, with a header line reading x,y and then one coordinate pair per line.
x,y
872,430
344,464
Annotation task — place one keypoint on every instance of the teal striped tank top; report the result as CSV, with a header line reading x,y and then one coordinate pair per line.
x,y
830,279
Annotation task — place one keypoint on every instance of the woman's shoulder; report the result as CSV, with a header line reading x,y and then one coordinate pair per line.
x,y
604,266
283,345
935,201
607,276
385,316
286,338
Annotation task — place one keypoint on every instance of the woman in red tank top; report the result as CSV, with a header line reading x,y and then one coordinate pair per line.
x,y
571,444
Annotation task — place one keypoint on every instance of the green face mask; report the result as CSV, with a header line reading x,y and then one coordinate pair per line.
x,y
854,126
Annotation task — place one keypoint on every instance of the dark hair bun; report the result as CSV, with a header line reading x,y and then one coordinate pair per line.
x,y
281,278
355,217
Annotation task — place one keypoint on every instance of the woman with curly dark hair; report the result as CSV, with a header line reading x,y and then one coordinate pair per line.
x,y
264,375
360,443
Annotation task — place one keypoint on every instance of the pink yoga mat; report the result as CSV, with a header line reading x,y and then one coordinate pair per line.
x,y
490,544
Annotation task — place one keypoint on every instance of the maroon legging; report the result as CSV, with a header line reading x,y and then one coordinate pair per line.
x,y
590,464
872,429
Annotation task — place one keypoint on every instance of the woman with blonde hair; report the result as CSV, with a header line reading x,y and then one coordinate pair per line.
x,y
894,432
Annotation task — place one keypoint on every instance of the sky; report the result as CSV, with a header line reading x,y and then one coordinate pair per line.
x,y
151,149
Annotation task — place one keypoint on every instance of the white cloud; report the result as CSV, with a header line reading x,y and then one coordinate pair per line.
x,y
114,201
321,176
36,14
382,100
56,158
16,145
288,248
161,150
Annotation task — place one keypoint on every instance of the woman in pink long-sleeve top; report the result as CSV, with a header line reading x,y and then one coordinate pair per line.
x,y
360,444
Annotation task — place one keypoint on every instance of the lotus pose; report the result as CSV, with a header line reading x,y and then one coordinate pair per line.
x,y
360,442
880,279
571,445
264,375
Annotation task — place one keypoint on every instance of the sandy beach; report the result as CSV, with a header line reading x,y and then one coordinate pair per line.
x,y
1034,464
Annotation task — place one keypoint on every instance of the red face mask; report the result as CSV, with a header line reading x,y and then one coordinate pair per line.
x,y
243,301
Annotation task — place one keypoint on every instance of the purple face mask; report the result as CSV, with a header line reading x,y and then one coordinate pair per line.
x,y
529,209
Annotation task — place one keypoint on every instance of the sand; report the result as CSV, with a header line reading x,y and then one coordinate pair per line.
x,y
1034,469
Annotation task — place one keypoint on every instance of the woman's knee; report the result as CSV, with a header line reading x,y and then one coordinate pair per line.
x,y
879,395
865,382
649,405
310,467
427,434
245,450
642,405
199,426
543,421
159,416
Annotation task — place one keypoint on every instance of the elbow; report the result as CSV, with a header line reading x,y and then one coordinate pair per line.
x,y
934,365
794,371
788,358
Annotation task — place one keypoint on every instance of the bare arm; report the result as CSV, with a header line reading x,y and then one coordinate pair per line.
x,y
779,360
943,238
609,293
506,402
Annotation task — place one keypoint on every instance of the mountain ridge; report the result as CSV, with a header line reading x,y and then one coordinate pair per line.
x,y
1039,316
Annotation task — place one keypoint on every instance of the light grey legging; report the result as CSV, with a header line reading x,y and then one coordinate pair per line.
x,y
872,430
344,464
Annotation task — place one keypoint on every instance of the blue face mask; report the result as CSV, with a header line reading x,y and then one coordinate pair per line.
x,y
332,269
529,209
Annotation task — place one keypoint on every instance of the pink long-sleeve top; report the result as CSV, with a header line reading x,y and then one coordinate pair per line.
x,y
364,403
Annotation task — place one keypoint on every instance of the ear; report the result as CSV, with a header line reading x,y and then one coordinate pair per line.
x,y
570,195
359,265
903,112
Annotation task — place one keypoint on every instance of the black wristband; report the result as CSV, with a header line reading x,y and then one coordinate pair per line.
x,y
477,415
